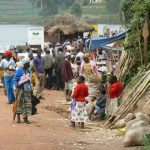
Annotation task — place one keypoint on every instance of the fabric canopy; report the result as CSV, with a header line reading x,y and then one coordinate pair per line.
x,y
97,42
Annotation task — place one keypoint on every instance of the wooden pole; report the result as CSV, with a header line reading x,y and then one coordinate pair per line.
x,y
139,40
145,35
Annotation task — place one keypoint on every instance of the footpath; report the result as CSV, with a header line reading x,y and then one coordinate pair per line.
x,y
50,129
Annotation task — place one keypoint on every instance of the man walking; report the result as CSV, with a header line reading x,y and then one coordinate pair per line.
x,y
48,67
67,76
38,65
8,65
59,62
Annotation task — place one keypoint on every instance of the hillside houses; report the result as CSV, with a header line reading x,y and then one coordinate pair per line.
x,y
96,1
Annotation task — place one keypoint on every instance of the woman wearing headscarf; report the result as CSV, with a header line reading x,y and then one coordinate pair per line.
x,y
23,88
8,65
90,72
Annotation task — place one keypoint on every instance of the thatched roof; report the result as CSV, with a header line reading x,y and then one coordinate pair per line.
x,y
68,24
65,29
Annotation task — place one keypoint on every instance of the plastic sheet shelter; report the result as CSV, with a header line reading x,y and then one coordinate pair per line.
x,y
98,42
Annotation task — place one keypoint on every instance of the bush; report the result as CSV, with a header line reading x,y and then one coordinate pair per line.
x,y
146,142
85,2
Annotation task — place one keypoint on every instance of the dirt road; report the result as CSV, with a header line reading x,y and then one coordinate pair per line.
x,y
51,131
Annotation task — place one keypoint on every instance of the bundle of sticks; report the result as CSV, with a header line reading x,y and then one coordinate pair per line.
x,y
130,101
125,64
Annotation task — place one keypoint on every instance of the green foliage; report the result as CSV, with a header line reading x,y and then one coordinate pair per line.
x,y
134,16
96,11
113,5
85,2
76,9
52,7
146,142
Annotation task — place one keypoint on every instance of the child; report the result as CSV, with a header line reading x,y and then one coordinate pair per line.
x,y
78,106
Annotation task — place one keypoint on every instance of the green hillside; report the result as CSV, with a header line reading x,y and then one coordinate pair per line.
x,y
16,8
13,11
97,13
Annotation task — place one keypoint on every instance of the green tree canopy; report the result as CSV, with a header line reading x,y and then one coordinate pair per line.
x,y
76,9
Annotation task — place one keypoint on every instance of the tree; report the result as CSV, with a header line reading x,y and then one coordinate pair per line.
x,y
76,9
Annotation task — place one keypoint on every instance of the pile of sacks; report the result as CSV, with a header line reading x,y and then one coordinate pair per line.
x,y
137,126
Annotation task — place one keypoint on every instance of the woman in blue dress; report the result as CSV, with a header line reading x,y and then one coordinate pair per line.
x,y
23,87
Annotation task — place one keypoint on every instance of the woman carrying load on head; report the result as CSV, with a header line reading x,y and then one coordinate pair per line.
x,y
90,72
23,91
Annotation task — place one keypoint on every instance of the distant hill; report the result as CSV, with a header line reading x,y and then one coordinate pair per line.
x,y
16,8
97,13
14,11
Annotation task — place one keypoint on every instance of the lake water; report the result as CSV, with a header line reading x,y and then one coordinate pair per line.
x,y
13,35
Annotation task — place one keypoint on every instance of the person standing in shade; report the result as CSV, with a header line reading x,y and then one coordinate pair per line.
x,y
60,57
38,65
8,65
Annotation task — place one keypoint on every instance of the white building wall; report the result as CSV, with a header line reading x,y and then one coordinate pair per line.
x,y
96,1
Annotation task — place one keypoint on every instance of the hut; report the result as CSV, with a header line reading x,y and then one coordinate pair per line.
x,y
66,27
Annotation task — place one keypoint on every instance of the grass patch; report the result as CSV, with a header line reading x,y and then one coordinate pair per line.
x,y
103,19
28,19
96,11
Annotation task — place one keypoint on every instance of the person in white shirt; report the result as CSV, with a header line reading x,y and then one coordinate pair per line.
x,y
9,67
80,54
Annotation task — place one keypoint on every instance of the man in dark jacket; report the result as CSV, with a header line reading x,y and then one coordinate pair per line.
x,y
60,57
48,67
67,76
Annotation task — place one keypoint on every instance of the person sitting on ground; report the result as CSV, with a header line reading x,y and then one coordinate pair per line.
x,y
99,105
78,106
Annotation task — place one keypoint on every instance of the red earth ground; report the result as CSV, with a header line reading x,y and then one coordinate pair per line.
x,y
50,130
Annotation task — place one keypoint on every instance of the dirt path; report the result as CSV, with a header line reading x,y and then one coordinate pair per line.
x,y
51,131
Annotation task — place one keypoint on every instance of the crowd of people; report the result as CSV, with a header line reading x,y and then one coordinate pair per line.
x,y
93,91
